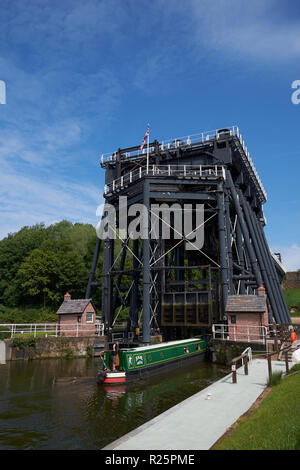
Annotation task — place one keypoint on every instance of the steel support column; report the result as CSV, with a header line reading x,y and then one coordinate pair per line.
x,y
146,268
222,246
245,231
93,268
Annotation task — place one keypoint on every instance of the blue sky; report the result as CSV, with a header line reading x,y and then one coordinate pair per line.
x,y
84,78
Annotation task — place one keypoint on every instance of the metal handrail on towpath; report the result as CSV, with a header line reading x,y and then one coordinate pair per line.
x,y
245,357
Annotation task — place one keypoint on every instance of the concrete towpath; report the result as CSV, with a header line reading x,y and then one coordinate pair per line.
x,y
199,421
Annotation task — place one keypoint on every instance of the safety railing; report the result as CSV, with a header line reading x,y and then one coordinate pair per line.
x,y
168,144
175,171
51,329
246,333
245,357
248,353
196,140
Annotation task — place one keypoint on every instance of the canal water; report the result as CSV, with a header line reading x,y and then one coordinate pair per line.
x,y
41,408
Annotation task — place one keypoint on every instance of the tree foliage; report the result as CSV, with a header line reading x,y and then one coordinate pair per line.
x,y
38,264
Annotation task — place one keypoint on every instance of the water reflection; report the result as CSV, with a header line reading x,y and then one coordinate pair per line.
x,y
43,407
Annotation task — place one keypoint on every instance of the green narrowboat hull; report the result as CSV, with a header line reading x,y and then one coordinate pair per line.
x,y
145,359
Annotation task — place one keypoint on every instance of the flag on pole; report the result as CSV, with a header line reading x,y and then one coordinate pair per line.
x,y
145,138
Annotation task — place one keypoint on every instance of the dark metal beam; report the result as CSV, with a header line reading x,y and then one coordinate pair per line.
x,y
93,268
222,247
146,271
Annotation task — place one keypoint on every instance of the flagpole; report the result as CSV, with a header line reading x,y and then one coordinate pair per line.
x,y
147,168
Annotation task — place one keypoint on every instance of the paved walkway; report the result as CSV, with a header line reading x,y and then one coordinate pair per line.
x,y
198,422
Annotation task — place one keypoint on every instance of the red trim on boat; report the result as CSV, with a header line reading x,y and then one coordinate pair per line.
x,y
108,380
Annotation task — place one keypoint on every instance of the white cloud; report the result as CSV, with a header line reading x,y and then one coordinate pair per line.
x,y
290,256
26,200
249,29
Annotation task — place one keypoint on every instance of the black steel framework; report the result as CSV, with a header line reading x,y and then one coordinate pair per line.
x,y
159,282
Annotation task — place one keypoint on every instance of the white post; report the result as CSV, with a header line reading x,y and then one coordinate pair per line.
x,y
35,330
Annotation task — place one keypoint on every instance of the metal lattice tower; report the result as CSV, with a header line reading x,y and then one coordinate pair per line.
x,y
172,283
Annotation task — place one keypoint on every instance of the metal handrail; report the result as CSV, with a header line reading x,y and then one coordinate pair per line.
x,y
50,329
196,140
267,355
225,330
248,351
200,137
244,356
166,171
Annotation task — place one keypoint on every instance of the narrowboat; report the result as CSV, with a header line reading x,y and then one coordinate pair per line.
x,y
140,361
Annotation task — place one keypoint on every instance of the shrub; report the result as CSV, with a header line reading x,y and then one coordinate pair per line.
x,y
90,351
21,343
69,354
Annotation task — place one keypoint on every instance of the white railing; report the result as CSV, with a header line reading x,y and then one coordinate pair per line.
x,y
175,171
196,140
189,140
250,165
248,353
246,333
51,329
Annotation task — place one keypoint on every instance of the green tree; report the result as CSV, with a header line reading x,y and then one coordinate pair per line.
x,y
37,275
13,250
38,265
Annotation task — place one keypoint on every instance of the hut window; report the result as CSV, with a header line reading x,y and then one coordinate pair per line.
x,y
233,319
89,317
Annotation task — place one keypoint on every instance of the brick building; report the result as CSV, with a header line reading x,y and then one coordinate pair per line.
x,y
76,317
247,315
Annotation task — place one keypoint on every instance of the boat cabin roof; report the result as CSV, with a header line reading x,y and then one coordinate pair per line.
x,y
165,343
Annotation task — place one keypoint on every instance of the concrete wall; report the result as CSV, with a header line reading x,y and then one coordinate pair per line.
x,y
2,352
225,350
51,347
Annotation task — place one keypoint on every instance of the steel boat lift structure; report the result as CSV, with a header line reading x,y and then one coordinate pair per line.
x,y
163,284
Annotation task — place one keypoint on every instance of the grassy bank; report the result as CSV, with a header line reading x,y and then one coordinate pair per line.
x,y
292,298
275,425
